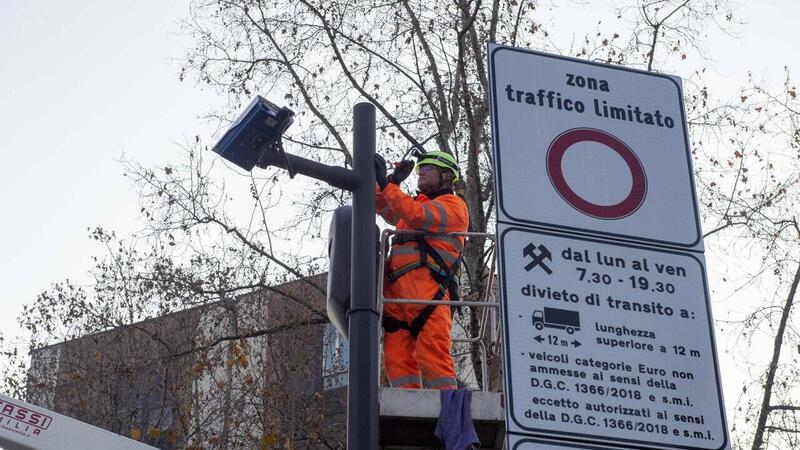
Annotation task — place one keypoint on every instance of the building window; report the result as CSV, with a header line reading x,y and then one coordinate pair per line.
x,y
335,359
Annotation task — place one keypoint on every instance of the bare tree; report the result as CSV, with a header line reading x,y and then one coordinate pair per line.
x,y
422,64
760,212
239,372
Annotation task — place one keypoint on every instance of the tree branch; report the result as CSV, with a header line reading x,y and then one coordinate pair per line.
x,y
263,332
332,38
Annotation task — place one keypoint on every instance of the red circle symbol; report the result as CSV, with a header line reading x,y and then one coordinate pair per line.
x,y
555,155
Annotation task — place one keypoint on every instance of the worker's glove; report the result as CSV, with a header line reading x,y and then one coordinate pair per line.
x,y
401,171
380,171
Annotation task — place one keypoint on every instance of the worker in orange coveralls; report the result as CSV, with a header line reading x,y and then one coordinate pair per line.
x,y
416,338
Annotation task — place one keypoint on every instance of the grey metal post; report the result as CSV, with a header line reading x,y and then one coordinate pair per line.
x,y
362,395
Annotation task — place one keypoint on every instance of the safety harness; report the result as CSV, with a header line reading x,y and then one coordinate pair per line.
x,y
444,275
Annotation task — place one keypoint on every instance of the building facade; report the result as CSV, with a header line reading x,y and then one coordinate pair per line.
x,y
258,371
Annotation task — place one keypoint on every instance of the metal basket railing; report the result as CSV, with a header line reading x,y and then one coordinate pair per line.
x,y
487,304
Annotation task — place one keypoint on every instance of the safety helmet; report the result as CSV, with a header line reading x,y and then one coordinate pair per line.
x,y
440,159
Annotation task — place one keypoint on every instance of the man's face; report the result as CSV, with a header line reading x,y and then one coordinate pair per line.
x,y
429,178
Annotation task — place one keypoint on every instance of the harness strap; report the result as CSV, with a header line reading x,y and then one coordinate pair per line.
x,y
444,275
392,325
419,321
439,271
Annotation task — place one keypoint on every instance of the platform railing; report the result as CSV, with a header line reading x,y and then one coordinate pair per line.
x,y
486,304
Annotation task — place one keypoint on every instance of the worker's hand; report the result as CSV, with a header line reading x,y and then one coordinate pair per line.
x,y
401,171
380,171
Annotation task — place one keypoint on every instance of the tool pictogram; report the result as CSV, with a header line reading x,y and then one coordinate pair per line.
x,y
538,259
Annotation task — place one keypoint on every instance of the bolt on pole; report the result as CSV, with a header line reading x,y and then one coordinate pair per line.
x,y
362,400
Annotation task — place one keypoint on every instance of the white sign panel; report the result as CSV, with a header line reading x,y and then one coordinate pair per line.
x,y
591,148
608,343
528,443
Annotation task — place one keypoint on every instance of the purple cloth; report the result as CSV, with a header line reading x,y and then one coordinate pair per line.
x,y
454,427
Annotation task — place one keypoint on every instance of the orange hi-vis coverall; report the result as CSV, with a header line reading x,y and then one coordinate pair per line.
x,y
407,356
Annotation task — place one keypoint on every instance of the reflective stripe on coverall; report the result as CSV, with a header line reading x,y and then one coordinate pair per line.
x,y
405,358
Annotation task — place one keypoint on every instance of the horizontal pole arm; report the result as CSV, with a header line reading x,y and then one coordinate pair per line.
x,y
334,175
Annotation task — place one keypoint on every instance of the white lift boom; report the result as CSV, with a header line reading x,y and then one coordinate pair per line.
x,y
27,427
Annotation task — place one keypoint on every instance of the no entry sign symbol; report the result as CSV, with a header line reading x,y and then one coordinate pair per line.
x,y
555,155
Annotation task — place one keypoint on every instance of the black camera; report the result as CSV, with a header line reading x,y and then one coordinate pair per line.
x,y
257,130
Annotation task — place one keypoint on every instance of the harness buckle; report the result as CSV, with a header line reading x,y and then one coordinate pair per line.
x,y
392,325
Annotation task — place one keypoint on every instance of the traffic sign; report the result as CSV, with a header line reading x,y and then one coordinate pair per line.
x,y
516,442
591,148
608,343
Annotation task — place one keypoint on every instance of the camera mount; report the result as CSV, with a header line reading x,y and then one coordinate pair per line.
x,y
255,133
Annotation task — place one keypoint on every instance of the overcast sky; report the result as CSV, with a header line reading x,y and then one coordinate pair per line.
x,y
84,82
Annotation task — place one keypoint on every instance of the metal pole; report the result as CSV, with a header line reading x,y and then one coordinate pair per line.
x,y
362,395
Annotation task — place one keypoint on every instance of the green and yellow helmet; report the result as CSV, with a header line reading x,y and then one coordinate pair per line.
x,y
440,159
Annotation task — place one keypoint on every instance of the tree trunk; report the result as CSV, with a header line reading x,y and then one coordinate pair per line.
x,y
758,438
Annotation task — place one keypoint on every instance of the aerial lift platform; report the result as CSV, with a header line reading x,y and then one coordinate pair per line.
x,y
408,416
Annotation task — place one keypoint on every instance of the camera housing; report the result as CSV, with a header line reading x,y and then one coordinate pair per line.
x,y
258,129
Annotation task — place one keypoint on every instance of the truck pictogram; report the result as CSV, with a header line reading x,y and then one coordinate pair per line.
x,y
562,319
